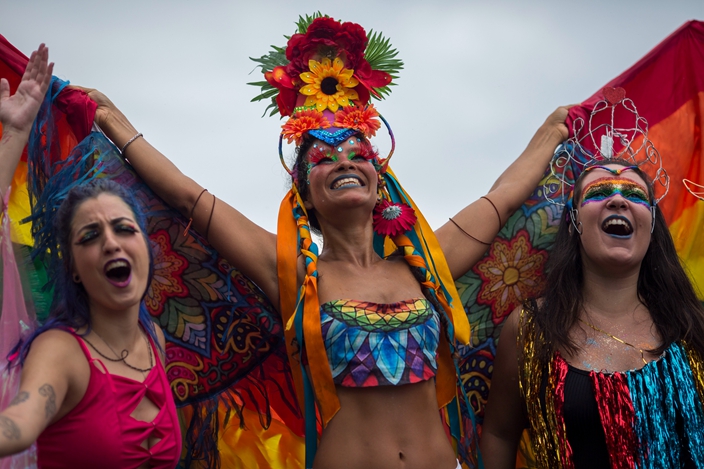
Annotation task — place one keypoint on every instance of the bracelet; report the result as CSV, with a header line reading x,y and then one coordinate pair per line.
x,y
501,224
124,147
463,231
190,217
210,218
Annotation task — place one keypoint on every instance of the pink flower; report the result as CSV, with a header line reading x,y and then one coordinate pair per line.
x,y
391,219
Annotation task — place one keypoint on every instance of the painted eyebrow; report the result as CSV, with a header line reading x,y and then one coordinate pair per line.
x,y
609,179
114,221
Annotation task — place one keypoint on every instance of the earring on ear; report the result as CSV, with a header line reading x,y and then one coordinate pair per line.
x,y
652,223
381,192
573,216
76,278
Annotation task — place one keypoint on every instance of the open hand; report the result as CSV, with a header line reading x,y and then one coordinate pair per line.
x,y
17,112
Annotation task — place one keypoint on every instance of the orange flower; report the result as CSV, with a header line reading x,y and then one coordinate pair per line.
x,y
301,122
511,273
362,118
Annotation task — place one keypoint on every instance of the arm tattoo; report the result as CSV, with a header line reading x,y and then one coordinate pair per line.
x,y
9,428
19,398
48,391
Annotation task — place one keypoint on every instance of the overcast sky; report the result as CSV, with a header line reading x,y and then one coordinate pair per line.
x,y
479,79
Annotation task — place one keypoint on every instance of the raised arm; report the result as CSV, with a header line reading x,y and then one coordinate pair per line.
x,y
245,245
17,112
505,415
464,238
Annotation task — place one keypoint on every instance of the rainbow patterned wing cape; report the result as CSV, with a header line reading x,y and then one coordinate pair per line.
x,y
225,355
667,86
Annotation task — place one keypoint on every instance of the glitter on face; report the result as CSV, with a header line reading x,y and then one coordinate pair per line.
x,y
606,188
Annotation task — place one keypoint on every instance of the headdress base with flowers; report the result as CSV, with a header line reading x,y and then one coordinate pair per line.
x,y
323,81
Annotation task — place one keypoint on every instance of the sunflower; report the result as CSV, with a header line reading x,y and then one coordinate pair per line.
x,y
328,85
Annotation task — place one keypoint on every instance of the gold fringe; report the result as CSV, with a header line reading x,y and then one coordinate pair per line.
x,y
697,366
543,421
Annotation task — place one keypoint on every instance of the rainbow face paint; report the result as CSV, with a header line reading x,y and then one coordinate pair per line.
x,y
606,188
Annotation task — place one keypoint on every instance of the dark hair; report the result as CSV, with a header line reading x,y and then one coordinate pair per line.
x,y
70,306
663,287
300,178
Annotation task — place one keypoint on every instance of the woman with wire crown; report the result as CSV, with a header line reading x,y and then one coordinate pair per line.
x,y
605,369
372,320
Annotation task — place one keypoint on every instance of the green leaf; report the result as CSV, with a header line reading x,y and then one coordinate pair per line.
x,y
305,21
382,56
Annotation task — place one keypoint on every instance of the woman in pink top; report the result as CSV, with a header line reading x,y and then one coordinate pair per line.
x,y
93,391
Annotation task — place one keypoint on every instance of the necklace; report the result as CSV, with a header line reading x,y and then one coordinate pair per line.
x,y
125,353
642,354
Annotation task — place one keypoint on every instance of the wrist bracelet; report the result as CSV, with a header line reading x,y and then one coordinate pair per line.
x,y
124,147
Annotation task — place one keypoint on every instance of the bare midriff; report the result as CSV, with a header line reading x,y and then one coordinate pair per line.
x,y
386,427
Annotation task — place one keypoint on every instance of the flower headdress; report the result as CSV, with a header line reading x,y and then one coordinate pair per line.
x,y
328,71
614,130
323,82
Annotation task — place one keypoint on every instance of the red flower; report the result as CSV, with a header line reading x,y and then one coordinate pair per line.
x,y
301,122
167,280
391,219
371,79
286,99
362,118
326,37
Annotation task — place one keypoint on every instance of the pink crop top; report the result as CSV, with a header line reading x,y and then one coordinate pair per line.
x,y
99,431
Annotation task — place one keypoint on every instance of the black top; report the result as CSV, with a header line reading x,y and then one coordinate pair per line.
x,y
583,422
585,433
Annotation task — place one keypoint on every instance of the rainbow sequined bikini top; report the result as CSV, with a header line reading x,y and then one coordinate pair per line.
x,y
372,344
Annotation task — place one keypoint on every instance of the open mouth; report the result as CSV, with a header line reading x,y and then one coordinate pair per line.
x,y
346,181
118,272
617,226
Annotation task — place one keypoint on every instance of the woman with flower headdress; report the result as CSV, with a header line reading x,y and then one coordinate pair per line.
x,y
605,370
370,340
84,403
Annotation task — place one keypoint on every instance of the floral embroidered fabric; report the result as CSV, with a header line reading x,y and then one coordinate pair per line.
x,y
371,344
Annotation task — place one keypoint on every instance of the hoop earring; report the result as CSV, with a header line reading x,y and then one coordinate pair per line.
x,y
652,223
573,216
